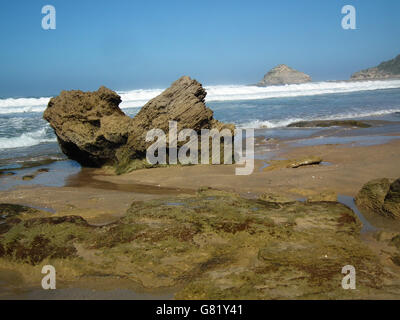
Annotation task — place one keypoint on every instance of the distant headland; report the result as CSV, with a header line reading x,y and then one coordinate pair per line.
x,y
385,70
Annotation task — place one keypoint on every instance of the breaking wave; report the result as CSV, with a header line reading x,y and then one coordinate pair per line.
x,y
137,98
27,139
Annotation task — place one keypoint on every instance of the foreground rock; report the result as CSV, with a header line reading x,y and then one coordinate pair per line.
x,y
386,70
214,245
282,74
380,196
92,129
391,205
329,123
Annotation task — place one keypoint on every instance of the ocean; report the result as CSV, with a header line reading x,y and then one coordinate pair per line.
x,y
25,136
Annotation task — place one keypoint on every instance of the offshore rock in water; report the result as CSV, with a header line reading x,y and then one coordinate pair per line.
x,y
92,129
329,123
282,74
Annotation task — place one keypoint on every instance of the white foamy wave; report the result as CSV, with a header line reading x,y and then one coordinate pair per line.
x,y
26,140
231,93
257,124
137,98
18,105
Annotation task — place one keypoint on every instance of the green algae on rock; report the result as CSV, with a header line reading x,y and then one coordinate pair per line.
x,y
327,195
214,245
329,123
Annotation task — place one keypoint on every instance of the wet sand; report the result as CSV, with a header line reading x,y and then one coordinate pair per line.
x,y
347,169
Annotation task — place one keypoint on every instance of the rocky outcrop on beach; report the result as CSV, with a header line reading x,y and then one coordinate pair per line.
x,y
292,163
380,196
183,102
386,70
90,126
282,74
92,129
391,204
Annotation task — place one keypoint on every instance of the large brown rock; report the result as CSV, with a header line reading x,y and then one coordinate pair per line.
x,y
90,126
92,129
380,196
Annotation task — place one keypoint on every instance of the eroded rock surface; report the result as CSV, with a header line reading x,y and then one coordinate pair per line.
x,y
214,245
92,129
90,126
391,205
380,196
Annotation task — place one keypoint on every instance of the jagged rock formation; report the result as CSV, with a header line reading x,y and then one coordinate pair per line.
x,y
282,74
90,126
92,129
380,196
183,102
386,70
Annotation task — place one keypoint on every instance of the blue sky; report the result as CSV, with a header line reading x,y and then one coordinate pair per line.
x,y
147,44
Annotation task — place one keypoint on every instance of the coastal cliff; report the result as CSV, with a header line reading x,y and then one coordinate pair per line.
x,y
283,74
386,70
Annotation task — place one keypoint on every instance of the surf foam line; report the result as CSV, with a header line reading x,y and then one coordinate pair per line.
x,y
280,123
137,98
230,93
